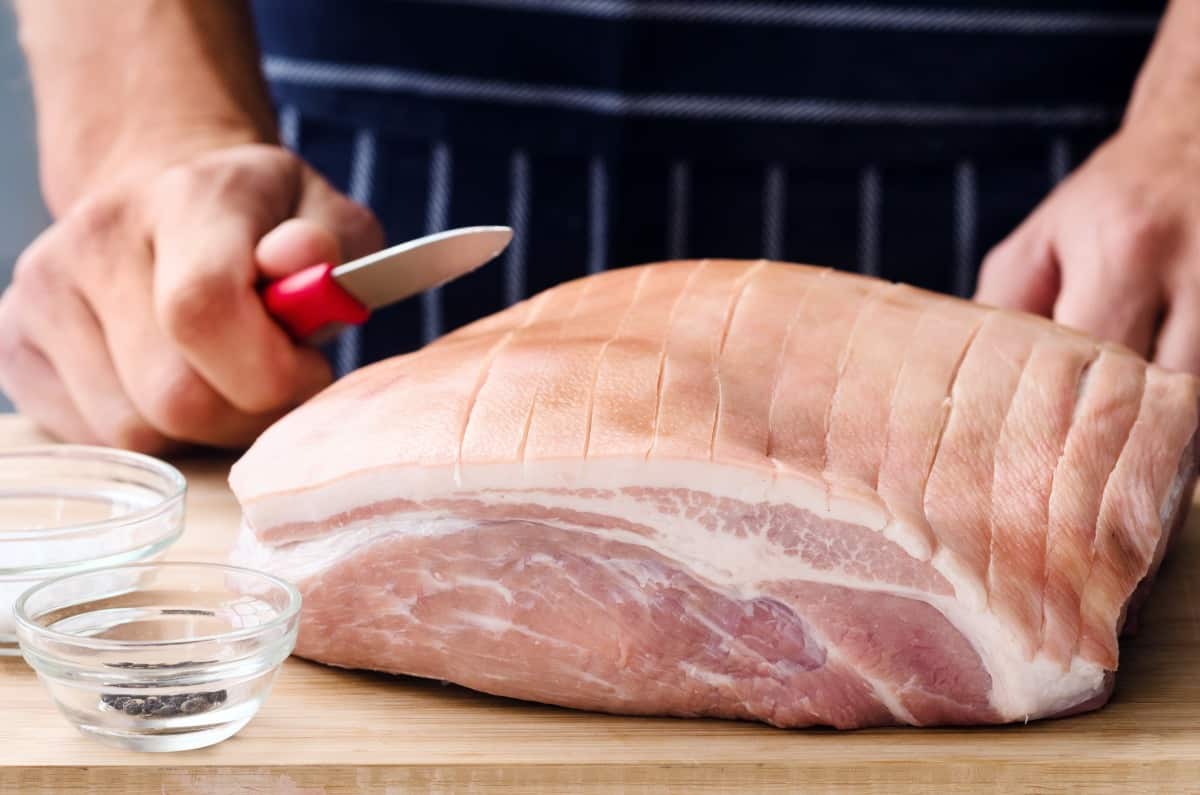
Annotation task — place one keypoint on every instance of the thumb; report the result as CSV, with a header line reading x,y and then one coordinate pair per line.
x,y
294,245
327,227
1021,272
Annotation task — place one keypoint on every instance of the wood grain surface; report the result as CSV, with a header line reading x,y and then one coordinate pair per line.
x,y
338,732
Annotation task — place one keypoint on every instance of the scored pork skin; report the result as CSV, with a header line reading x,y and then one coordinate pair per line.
x,y
735,489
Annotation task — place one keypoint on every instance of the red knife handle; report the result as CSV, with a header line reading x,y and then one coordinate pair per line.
x,y
310,299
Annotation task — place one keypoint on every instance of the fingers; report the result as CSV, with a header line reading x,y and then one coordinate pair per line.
x,y
137,321
26,374
328,227
1107,312
66,351
28,378
355,227
1065,262
1177,342
1021,272
161,383
102,258
1112,288
205,298
74,342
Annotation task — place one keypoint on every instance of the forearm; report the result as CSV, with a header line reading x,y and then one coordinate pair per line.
x,y
1167,93
138,84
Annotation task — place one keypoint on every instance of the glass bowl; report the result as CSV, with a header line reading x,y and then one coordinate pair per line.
x,y
70,508
159,656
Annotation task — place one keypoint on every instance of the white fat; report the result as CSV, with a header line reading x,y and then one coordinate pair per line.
x,y
718,557
299,561
854,510
480,583
882,690
1022,688
422,483
591,680
968,588
909,538
710,678
489,623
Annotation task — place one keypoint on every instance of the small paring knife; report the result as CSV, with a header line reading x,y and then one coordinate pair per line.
x,y
314,303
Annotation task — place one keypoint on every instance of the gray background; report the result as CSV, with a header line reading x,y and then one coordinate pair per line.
x,y
22,214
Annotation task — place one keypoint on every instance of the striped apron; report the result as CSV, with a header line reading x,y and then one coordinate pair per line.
x,y
891,139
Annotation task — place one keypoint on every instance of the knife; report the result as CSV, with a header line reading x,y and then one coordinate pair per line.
x,y
314,302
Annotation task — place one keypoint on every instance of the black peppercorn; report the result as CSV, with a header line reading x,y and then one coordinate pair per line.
x,y
194,705
164,706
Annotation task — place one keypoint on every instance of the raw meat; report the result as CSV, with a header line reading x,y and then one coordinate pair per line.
x,y
745,490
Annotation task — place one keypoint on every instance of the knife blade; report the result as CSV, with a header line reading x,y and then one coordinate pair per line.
x,y
317,300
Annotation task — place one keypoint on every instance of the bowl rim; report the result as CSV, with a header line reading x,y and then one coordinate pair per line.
x,y
176,488
286,614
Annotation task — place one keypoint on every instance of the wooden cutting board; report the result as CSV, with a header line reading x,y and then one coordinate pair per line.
x,y
339,732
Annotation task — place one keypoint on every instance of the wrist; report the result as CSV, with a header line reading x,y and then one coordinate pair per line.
x,y
1171,107
1166,96
72,166
120,94
1161,128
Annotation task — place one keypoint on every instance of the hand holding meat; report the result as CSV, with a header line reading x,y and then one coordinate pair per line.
x,y
1115,250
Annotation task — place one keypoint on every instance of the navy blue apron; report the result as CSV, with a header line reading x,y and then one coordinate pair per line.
x,y
886,138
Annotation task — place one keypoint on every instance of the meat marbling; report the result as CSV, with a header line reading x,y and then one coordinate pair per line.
x,y
746,490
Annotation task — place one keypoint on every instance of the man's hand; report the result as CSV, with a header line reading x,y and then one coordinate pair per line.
x,y
136,319
1115,249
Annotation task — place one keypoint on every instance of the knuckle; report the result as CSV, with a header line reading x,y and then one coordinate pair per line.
x,y
189,308
178,180
96,218
255,179
80,249
179,188
12,344
274,160
235,171
27,308
36,270
179,403
222,175
207,178
1134,236
16,356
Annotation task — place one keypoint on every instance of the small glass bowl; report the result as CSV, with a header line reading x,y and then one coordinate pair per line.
x,y
159,656
70,508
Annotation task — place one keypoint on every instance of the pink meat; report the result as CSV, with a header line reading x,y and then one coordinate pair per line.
x,y
741,490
